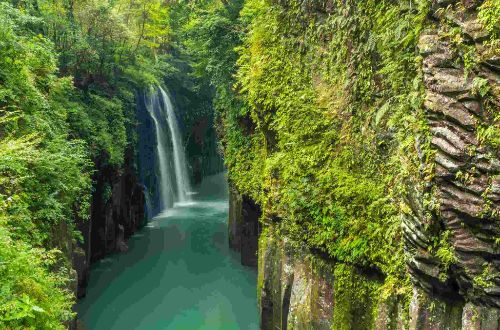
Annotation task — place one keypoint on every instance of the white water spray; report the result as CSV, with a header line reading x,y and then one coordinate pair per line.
x,y
181,177
166,194
171,164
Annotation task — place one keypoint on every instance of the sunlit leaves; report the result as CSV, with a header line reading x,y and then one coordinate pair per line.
x,y
334,102
31,296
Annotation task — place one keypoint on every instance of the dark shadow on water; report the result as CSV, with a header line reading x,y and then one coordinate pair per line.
x,y
178,274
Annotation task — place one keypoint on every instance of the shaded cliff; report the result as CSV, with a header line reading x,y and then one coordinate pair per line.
x,y
464,188
243,226
117,211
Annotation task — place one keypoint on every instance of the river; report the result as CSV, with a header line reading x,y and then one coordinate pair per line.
x,y
178,274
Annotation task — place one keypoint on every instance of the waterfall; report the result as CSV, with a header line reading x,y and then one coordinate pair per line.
x,y
181,177
170,150
166,194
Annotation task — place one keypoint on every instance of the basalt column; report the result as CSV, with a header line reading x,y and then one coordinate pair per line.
x,y
117,211
456,214
243,226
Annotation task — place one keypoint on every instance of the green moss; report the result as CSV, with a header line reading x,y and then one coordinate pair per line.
x,y
323,133
446,255
486,279
355,299
489,15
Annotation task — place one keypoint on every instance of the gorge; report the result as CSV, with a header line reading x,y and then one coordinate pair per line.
x,y
178,274
250,164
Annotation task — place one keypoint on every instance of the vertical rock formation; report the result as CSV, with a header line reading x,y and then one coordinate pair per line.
x,y
244,227
300,290
465,187
117,211
450,217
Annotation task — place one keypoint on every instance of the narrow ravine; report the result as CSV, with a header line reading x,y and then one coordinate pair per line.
x,y
178,273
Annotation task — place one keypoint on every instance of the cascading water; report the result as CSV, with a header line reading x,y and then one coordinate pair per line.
x,y
171,158
166,195
181,177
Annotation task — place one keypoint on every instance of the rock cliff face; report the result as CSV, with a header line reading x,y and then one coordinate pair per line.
x,y
298,290
117,211
115,215
451,230
465,186
244,226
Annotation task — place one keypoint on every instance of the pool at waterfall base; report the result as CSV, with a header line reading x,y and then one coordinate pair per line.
x,y
178,273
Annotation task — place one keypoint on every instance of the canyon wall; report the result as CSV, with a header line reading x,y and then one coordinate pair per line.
x,y
117,211
300,290
447,195
465,186
243,226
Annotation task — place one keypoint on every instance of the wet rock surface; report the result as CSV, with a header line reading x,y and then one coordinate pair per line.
x,y
299,290
117,211
243,226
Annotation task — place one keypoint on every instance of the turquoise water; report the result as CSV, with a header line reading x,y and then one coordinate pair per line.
x,y
178,274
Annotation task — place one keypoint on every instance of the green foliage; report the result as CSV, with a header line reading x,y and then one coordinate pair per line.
x,y
318,116
99,121
39,187
31,295
356,299
331,110
318,106
205,34
68,73
44,171
446,254
489,15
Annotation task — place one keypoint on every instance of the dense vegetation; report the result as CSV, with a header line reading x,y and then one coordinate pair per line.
x,y
68,74
317,113
320,109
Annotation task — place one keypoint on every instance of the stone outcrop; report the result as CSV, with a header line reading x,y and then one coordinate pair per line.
x,y
117,211
298,290
460,205
243,226
452,230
